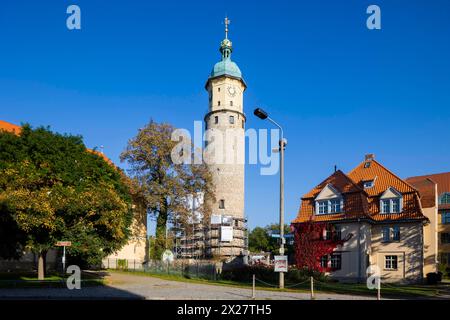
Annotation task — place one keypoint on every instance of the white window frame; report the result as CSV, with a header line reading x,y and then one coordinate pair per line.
x,y
390,201
328,205
389,259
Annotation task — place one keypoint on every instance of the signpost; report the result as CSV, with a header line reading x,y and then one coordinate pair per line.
x,y
64,244
281,264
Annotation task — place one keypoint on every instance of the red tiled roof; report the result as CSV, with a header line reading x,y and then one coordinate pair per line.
x,y
427,190
363,203
339,180
383,177
443,185
9,127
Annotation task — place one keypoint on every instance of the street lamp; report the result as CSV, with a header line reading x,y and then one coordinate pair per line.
x,y
263,115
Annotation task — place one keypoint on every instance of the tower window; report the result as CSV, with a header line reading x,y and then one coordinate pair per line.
x,y
243,124
236,223
218,103
231,103
221,204
216,119
218,89
232,119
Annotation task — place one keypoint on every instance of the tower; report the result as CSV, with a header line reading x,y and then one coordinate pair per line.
x,y
225,125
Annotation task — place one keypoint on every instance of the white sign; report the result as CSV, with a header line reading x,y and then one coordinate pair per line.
x,y
226,233
281,264
167,256
216,219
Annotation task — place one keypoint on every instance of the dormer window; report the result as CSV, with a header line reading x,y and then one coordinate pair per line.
x,y
391,201
368,184
329,200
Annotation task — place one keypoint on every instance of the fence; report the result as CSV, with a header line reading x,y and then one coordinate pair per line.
x,y
186,268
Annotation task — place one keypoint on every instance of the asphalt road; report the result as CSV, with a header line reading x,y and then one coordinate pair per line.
x,y
128,286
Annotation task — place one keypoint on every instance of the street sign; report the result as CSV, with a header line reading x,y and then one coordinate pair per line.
x,y
64,244
281,264
167,256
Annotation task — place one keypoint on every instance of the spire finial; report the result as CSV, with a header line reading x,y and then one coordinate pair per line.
x,y
227,22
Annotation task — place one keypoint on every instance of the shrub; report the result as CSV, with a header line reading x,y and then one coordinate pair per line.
x,y
432,278
266,273
122,264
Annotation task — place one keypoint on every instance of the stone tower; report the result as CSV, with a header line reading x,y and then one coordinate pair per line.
x,y
225,125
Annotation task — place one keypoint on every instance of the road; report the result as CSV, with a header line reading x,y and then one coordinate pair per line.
x,y
128,286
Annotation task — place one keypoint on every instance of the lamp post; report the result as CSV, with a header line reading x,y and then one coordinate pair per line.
x,y
263,115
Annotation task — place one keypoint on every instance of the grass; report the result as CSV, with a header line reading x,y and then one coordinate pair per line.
x,y
387,291
52,280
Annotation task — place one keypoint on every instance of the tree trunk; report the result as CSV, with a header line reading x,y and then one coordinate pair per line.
x,y
41,264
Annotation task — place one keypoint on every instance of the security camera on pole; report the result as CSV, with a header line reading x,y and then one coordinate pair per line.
x,y
280,261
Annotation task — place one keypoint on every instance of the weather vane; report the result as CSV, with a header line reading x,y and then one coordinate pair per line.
x,y
227,22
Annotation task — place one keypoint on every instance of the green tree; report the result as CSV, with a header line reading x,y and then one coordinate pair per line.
x,y
52,188
166,186
258,240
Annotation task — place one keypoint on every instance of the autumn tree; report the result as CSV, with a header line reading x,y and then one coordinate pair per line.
x,y
52,188
167,185
311,243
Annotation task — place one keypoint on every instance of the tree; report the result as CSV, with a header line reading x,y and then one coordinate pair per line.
x,y
258,240
166,186
52,188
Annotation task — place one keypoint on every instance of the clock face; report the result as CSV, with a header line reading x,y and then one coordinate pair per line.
x,y
232,91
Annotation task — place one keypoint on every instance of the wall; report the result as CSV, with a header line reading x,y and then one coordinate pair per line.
x,y
409,251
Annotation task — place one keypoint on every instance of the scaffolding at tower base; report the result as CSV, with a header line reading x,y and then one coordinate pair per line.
x,y
205,242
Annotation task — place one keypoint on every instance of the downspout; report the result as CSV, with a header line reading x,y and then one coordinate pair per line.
x,y
359,250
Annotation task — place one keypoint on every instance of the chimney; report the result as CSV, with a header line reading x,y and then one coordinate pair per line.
x,y
369,157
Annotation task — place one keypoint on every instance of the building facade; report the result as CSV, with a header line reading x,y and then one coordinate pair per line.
x,y
435,199
378,219
225,155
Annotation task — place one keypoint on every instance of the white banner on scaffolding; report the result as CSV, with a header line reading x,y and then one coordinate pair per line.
x,y
226,233
216,219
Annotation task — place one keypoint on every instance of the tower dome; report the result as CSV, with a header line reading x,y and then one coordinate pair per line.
x,y
226,66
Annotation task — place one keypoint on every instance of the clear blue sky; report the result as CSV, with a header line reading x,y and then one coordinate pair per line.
x,y
339,89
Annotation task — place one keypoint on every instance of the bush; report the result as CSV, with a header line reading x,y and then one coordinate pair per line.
x,y
266,273
433,277
122,264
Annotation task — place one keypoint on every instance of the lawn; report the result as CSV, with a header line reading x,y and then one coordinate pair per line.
x,y
387,290
52,280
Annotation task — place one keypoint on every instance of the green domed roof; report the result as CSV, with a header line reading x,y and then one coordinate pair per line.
x,y
226,66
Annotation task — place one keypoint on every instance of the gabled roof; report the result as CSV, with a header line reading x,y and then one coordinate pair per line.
x,y
360,203
384,178
339,180
427,188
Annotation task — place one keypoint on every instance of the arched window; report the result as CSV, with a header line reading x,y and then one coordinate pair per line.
x,y
444,198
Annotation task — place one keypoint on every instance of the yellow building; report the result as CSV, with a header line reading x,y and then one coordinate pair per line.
x,y
435,198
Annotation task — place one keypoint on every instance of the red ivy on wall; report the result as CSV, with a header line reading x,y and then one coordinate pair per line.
x,y
311,245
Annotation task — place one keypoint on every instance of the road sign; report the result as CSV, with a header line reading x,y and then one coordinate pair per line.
x,y
281,264
64,244
167,256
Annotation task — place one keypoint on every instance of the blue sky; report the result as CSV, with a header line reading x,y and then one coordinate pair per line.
x,y
339,89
